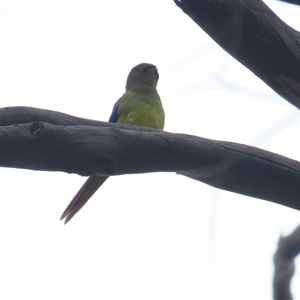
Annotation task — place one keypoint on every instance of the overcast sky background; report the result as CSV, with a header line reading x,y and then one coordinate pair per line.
x,y
150,236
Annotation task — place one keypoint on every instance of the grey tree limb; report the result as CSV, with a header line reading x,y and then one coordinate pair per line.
x,y
251,33
53,141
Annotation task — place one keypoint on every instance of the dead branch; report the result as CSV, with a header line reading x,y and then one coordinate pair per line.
x,y
251,33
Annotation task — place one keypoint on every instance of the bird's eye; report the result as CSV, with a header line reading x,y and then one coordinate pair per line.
x,y
146,69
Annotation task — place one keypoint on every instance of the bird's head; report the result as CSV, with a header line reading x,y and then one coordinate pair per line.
x,y
144,74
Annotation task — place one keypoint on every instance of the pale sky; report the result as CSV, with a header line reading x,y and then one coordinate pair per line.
x,y
149,236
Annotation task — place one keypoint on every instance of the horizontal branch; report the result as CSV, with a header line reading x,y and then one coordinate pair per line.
x,y
113,149
251,33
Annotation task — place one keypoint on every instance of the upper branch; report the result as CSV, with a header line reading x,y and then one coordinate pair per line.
x,y
256,37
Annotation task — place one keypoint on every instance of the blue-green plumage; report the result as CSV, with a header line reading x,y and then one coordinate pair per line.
x,y
114,115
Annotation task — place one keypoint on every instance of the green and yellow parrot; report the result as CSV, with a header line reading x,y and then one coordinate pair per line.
x,y
140,105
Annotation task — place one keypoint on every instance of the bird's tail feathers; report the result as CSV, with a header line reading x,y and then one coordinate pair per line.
x,y
91,185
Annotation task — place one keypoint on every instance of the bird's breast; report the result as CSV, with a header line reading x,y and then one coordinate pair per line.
x,y
149,117
141,110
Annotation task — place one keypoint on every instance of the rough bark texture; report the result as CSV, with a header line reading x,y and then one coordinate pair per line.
x,y
288,248
255,36
89,147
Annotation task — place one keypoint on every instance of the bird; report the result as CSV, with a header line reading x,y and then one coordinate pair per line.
x,y
140,105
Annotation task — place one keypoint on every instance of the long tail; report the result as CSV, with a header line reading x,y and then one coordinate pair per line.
x,y
91,185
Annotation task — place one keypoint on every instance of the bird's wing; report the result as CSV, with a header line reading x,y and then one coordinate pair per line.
x,y
114,115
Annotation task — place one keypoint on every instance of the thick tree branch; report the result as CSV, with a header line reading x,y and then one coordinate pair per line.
x,y
288,248
47,143
256,37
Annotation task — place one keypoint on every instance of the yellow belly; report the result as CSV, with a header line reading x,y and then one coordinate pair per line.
x,y
141,109
149,118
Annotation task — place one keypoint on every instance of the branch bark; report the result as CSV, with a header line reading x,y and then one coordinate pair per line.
x,y
251,33
53,141
288,248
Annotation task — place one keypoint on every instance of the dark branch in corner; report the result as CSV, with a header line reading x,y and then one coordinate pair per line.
x,y
297,2
256,37
288,248
47,141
